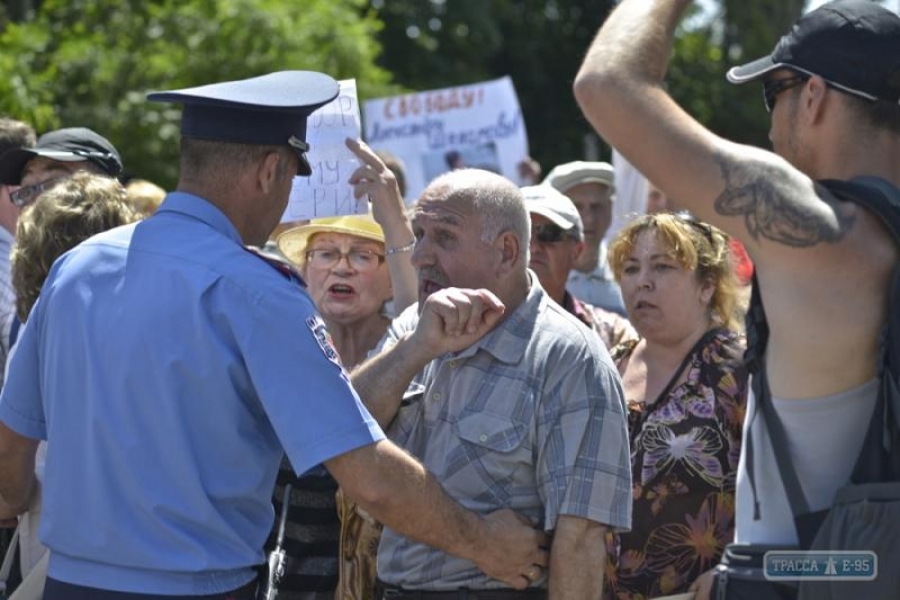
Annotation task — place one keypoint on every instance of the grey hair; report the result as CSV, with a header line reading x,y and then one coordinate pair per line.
x,y
497,199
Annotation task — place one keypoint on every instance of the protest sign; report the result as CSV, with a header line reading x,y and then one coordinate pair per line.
x,y
433,132
326,192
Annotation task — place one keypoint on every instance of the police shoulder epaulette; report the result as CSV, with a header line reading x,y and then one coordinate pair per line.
x,y
285,268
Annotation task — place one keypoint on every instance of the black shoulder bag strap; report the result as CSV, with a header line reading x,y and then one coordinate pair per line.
x,y
757,339
757,330
806,523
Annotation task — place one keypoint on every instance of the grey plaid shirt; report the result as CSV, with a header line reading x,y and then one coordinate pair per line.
x,y
531,418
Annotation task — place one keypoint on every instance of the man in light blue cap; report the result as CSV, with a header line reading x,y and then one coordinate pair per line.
x,y
169,368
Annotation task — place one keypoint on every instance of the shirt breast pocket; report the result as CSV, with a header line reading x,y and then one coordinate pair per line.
x,y
496,448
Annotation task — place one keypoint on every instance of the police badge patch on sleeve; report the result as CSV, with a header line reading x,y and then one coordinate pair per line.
x,y
320,332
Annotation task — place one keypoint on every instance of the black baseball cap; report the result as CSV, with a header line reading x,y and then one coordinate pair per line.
x,y
70,144
269,110
852,44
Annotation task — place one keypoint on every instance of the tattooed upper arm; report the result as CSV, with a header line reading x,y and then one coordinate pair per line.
x,y
772,210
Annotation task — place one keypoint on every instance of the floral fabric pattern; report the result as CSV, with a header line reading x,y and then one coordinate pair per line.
x,y
684,454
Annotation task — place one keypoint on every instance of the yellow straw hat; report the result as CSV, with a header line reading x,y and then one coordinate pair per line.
x,y
292,243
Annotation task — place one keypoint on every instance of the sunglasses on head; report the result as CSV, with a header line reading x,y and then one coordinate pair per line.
x,y
703,228
548,233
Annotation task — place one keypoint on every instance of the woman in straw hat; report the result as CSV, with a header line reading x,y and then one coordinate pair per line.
x,y
358,272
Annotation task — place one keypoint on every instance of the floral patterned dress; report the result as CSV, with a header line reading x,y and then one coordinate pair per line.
x,y
684,457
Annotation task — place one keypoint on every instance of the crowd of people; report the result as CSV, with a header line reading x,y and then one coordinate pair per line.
x,y
480,396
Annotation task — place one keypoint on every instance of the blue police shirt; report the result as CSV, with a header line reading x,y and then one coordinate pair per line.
x,y
167,366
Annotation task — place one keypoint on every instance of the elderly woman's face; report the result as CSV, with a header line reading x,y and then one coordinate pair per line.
x,y
355,285
663,299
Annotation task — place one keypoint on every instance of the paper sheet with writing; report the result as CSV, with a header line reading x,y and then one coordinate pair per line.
x,y
326,192
478,125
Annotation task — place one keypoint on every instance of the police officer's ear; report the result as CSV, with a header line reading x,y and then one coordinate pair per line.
x,y
269,171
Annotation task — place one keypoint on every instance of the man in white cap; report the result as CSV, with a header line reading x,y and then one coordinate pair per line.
x,y
557,242
591,186
823,264
169,368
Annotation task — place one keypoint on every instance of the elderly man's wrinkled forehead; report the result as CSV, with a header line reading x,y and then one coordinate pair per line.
x,y
446,205
453,192
474,197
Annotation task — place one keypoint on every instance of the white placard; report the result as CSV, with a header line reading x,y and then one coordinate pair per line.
x,y
326,192
432,132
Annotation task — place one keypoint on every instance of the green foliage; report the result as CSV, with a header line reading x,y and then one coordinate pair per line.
x,y
541,43
91,62
538,43
696,80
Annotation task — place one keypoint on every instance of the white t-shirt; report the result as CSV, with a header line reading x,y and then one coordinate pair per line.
x,y
825,436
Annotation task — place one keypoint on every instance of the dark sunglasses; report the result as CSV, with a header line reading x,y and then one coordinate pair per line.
x,y
773,87
24,196
548,233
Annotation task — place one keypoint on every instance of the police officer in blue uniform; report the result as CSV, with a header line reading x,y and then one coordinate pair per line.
x,y
169,368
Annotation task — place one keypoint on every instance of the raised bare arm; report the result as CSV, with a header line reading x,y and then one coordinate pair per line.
x,y
753,194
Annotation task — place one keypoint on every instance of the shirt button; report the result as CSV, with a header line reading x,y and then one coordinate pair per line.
x,y
483,438
436,396
452,364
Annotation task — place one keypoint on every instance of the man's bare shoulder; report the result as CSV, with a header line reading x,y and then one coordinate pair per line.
x,y
826,307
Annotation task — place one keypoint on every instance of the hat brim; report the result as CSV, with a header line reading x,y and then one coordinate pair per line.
x,y
11,164
293,242
753,71
552,216
592,179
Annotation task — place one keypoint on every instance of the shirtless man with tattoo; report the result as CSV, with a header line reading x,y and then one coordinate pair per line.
x,y
824,266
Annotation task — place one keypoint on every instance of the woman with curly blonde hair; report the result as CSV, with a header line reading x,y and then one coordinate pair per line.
x,y
61,218
686,391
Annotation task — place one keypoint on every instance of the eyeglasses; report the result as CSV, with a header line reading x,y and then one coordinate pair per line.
x,y
548,233
24,196
773,87
361,260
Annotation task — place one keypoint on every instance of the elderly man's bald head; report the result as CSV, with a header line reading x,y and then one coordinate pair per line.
x,y
472,230
497,199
